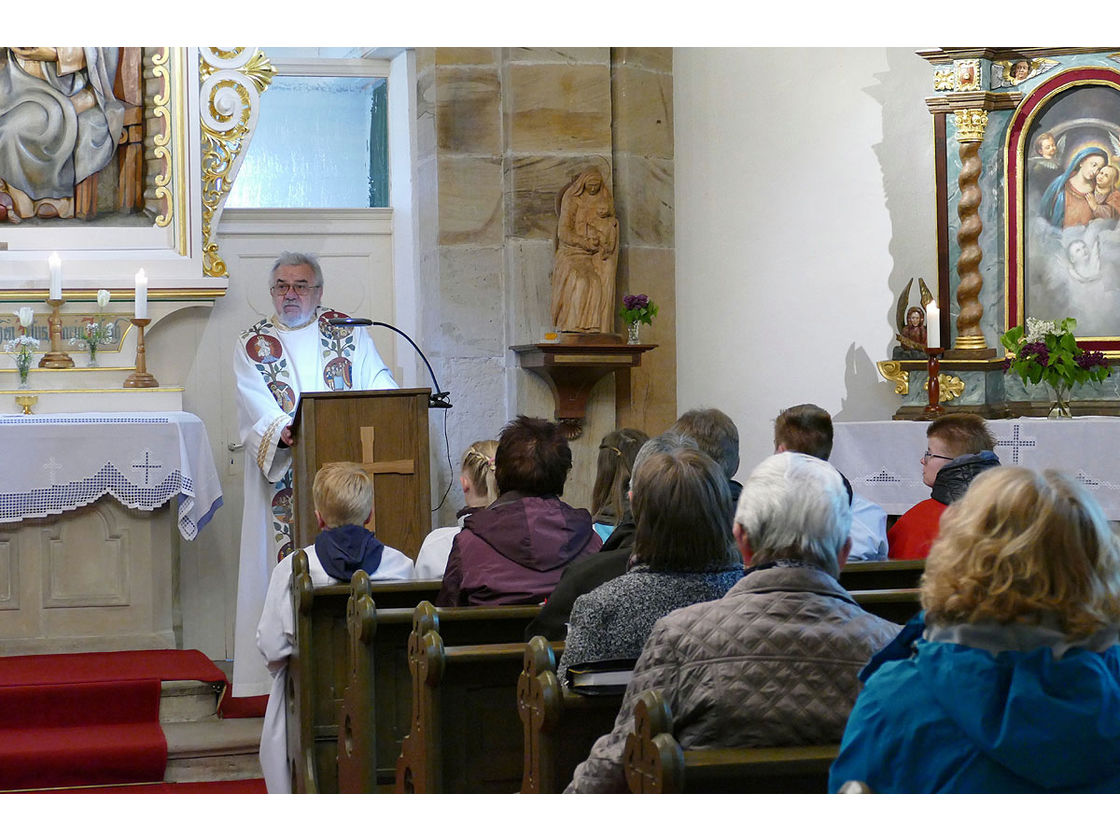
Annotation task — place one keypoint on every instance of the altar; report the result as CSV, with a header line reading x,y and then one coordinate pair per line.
x,y
92,508
881,459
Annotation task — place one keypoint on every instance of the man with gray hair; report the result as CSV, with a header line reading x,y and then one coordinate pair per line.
x,y
775,661
280,357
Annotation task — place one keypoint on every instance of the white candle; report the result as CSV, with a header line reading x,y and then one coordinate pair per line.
x,y
933,325
56,276
141,294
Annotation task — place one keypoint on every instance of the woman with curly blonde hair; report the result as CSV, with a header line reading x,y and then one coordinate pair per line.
x,y
1009,680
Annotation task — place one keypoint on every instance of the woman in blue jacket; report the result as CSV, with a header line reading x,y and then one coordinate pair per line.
x,y
1009,681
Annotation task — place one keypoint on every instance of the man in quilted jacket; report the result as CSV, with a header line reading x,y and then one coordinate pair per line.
x,y
775,661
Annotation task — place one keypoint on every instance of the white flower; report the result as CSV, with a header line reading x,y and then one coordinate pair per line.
x,y
102,298
1037,330
26,316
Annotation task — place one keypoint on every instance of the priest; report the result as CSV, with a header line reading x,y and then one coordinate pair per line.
x,y
275,360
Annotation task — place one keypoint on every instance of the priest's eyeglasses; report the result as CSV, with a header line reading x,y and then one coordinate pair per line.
x,y
301,289
929,455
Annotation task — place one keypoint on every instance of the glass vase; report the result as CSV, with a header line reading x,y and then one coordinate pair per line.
x,y
24,371
1060,406
93,356
632,333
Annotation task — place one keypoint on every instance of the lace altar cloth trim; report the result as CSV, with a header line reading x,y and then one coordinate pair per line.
x,y
58,463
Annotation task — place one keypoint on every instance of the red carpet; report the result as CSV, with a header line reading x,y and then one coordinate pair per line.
x,y
235,786
88,718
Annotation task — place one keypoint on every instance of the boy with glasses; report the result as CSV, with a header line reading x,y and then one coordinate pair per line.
x,y
958,448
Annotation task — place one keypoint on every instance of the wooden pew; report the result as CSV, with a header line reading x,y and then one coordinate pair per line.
x,y
655,762
318,665
377,707
882,574
465,734
897,605
559,726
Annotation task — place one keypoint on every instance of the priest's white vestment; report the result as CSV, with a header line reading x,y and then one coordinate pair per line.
x,y
274,365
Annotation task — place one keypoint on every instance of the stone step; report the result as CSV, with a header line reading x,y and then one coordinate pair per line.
x,y
213,750
188,700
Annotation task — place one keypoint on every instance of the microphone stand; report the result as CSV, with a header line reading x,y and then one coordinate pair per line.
x,y
437,400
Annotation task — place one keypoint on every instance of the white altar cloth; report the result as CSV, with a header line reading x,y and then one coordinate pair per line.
x,y
58,462
882,458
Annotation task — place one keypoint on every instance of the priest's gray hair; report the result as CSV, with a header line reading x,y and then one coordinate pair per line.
x,y
297,258
794,507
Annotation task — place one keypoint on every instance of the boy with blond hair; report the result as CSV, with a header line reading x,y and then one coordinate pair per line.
x,y
343,495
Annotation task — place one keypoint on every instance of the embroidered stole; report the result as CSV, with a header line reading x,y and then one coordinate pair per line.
x,y
262,344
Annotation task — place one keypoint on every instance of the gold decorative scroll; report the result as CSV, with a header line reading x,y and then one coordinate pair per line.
x,y
161,139
231,80
893,372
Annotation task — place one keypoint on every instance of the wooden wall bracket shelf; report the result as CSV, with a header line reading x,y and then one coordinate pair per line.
x,y
572,370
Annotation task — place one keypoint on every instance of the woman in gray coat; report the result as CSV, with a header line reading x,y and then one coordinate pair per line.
x,y
683,554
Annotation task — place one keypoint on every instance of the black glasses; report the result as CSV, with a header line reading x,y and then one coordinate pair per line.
x,y
929,455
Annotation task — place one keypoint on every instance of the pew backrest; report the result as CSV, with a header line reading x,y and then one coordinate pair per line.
x,y
377,709
465,734
882,574
559,726
655,762
897,605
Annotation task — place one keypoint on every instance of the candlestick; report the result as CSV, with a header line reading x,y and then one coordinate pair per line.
x,y
57,357
141,294
56,276
933,325
140,378
933,372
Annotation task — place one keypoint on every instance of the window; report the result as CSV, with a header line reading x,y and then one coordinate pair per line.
x,y
321,139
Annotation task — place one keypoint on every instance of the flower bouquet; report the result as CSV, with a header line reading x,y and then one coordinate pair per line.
x,y
1046,351
23,346
94,333
636,309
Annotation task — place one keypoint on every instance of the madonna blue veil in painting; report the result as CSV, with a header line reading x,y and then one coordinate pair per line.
x,y
1072,210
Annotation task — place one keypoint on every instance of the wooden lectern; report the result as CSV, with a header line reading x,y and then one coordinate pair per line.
x,y
384,431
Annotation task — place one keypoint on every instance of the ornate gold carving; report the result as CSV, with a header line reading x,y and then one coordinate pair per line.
x,y
950,387
971,123
231,81
161,139
967,74
970,342
943,78
893,372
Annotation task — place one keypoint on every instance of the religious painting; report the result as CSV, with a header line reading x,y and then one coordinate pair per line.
x,y
1063,205
71,134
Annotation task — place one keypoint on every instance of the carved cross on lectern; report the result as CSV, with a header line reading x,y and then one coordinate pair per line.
x,y
404,466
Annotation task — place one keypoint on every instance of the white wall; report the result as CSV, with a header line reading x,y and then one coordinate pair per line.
x,y
804,202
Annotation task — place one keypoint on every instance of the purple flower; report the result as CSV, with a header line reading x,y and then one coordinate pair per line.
x,y
1090,359
628,301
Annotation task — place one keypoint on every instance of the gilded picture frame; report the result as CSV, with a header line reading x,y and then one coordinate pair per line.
x,y
1062,206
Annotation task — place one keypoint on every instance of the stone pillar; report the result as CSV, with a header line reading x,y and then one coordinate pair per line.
x,y
642,97
500,132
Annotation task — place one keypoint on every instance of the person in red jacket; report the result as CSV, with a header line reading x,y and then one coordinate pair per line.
x,y
958,448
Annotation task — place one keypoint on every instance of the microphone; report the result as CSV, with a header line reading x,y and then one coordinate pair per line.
x,y
437,400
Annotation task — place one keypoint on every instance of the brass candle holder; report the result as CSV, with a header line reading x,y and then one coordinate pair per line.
x,y
933,373
140,378
56,357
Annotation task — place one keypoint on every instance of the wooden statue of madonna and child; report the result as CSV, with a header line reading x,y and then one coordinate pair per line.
x,y
583,273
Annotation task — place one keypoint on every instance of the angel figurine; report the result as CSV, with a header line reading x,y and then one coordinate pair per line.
x,y
911,323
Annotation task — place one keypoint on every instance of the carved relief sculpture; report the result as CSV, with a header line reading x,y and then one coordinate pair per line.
x,y
62,116
583,273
